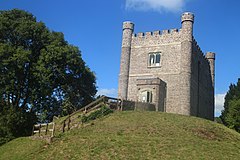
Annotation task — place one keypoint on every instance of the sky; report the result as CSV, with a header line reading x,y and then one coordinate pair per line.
x,y
96,28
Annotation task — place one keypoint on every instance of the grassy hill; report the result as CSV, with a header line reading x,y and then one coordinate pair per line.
x,y
134,135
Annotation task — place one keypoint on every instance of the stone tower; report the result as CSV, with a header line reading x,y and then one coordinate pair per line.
x,y
211,59
167,68
186,57
128,28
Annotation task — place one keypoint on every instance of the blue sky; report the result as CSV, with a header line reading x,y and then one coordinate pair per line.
x,y
96,28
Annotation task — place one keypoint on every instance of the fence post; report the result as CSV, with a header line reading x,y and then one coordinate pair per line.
x,y
69,121
46,129
39,130
53,129
33,130
119,102
63,128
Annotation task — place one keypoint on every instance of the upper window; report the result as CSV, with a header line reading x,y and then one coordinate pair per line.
x,y
154,59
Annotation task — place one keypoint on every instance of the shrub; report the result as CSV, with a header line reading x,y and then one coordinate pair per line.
x,y
103,111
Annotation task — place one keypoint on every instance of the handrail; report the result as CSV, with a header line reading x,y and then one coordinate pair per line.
x,y
93,105
37,128
86,107
91,109
113,98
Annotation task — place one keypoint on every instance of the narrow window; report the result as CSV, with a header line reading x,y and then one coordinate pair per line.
x,y
149,96
154,59
151,59
157,59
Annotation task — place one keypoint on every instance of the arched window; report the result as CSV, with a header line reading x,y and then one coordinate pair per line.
x,y
146,96
154,59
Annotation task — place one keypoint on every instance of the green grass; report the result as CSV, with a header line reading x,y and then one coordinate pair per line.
x,y
21,148
134,135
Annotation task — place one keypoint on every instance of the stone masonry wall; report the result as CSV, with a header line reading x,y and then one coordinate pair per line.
x,y
137,106
187,75
168,44
202,88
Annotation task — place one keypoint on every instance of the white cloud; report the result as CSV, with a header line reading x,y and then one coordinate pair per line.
x,y
156,5
219,102
108,92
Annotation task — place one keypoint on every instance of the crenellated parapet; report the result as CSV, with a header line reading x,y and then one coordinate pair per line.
x,y
156,37
202,56
157,33
198,49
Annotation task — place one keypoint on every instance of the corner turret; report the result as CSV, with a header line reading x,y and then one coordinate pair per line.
x,y
128,28
128,25
187,26
211,60
188,16
186,61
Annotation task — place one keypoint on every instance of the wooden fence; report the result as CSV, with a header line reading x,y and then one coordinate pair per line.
x,y
44,129
113,103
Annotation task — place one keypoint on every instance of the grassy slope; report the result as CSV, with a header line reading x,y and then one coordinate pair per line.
x,y
134,135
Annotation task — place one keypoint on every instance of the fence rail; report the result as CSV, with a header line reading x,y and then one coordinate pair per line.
x,y
44,129
114,103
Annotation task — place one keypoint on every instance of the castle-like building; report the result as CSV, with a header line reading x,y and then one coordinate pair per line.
x,y
168,69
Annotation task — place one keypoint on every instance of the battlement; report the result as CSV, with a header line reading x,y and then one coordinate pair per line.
x,y
157,33
198,48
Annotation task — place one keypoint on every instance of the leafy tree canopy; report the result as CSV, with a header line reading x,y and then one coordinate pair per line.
x,y
231,113
39,70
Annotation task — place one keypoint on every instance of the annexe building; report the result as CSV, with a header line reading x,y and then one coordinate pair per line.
x,y
167,69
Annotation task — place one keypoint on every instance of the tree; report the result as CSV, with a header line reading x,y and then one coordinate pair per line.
x,y
15,122
231,113
233,116
39,69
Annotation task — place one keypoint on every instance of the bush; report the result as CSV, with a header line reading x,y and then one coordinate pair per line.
x,y
5,134
15,122
96,114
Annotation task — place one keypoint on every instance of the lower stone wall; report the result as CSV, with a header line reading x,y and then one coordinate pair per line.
x,y
128,105
137,106
140,106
